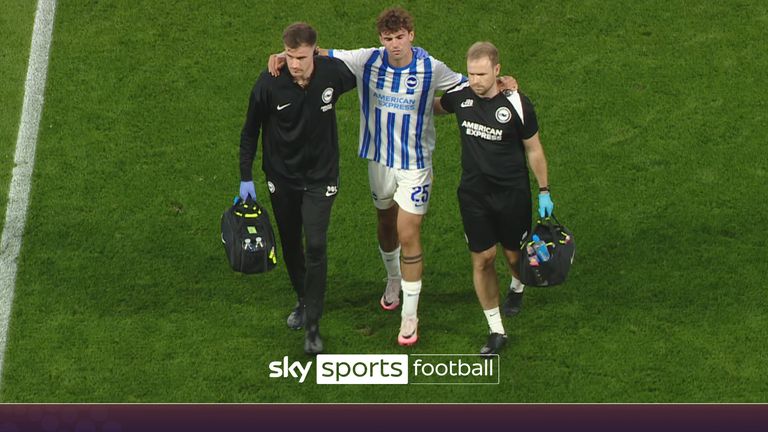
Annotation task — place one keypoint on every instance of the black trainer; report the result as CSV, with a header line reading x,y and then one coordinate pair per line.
x,y
295,320
313,343
495,342
513,304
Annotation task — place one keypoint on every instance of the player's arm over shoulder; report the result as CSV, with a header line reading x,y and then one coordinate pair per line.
x,y
445,78
354,59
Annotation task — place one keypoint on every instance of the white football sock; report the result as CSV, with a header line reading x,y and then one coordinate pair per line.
x,y
516,285
411,291
494,320
391,262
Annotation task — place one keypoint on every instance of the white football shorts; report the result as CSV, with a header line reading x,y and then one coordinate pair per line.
x,y
410,189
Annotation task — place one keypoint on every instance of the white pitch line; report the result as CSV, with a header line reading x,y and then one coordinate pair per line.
x,y
24,163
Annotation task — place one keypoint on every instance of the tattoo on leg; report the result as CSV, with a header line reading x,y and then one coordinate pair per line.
x,y
412,259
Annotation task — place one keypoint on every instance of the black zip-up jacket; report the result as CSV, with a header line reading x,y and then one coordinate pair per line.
x,y
300,139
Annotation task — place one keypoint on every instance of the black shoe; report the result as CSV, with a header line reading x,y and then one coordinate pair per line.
x,y
295,320
495,342
313,343
513,304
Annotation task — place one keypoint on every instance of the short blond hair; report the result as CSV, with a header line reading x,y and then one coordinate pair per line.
x,y
479,50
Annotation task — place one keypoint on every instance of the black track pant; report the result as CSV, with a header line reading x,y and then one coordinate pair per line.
x,y
308,209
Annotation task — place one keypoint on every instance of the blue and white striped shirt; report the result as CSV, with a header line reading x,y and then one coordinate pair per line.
x,y
397,127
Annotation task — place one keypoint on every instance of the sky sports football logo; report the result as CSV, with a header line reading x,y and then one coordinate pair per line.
x,y
435,369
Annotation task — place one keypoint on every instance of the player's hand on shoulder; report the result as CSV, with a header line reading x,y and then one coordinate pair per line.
x,y
507,83
276,61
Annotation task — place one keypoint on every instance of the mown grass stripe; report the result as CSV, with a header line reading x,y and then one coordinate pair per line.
x,y
24,162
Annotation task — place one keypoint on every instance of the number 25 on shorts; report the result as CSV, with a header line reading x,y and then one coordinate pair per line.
x,y
420,195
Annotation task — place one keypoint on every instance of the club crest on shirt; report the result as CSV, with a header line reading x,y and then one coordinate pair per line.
x,y
327,95
503,115
412,82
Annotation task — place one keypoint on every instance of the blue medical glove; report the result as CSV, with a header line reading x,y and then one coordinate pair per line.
x,y
545,205
246,190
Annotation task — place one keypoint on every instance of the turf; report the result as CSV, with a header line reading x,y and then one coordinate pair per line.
x,y
16,23
653,121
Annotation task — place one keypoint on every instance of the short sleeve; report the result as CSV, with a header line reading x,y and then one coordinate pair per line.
x,y
444,77
531,124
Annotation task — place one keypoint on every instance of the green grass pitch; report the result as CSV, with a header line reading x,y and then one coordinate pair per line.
x,y
653,119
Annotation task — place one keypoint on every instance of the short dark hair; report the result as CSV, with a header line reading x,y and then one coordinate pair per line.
x,y
479,50
394,19
298,34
